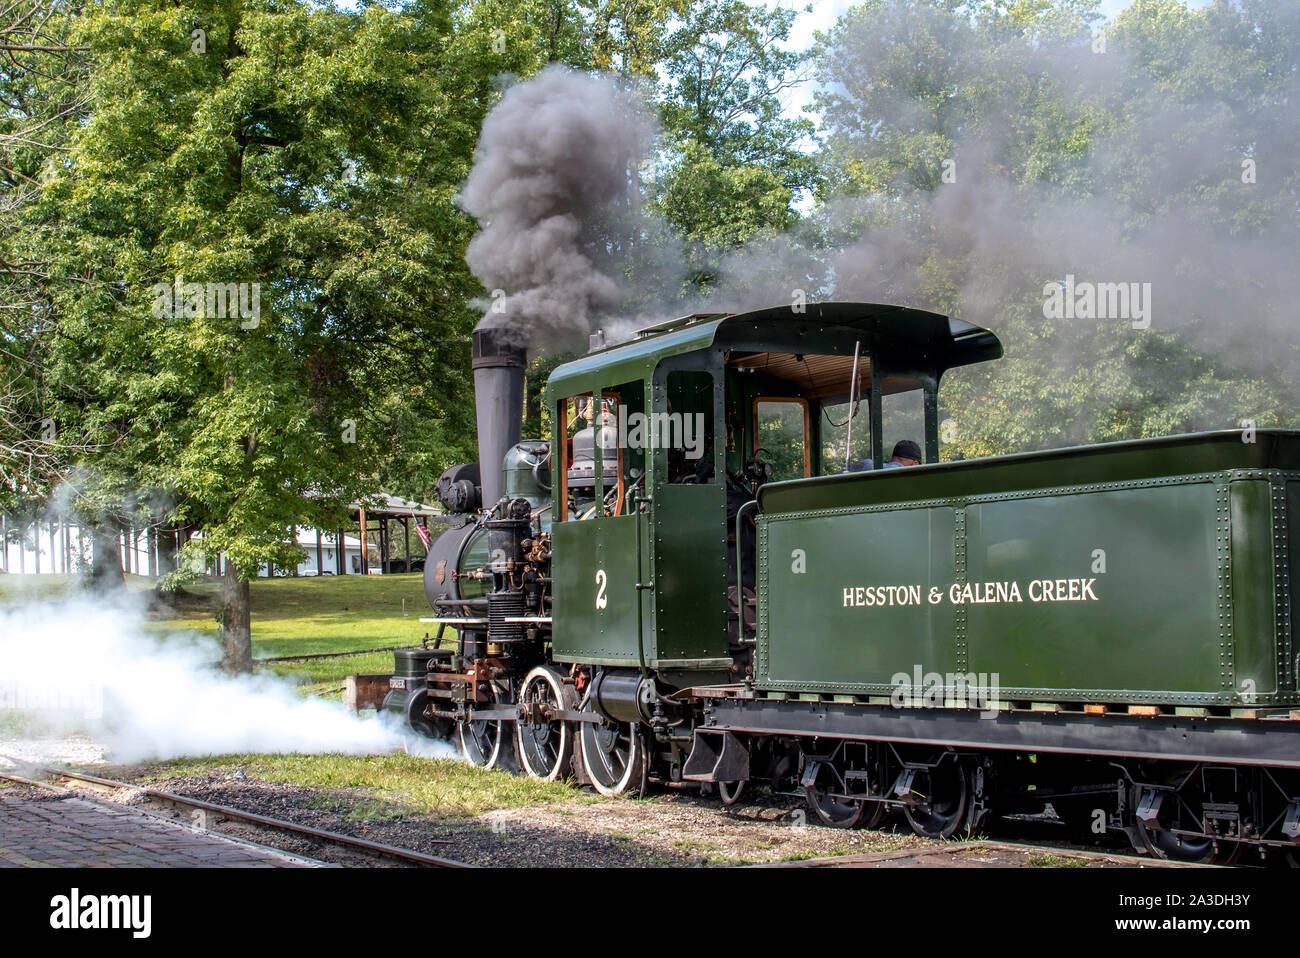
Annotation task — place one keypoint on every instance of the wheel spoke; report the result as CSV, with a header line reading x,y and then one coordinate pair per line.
x,y
545,745
614,756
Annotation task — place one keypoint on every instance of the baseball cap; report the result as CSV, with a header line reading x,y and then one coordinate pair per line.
x,y
906,449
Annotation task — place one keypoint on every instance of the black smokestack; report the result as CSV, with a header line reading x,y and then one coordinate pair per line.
x,y
499,402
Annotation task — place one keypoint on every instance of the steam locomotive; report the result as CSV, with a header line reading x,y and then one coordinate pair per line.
x,y
707,574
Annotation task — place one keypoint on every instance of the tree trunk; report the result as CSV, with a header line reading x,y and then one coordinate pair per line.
x,y
105,558
235,616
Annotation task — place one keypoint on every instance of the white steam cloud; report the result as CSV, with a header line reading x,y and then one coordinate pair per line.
x,y
88,666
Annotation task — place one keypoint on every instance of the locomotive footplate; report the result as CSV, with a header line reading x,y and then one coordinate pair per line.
x,y
1227,740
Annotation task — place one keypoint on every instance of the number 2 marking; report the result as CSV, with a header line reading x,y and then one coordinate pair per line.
x,y
601,581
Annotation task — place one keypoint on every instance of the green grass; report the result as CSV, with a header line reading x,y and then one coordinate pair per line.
x,y
690,844
807,854
838,851
436,787
324,677
44,587
1053,861
302,616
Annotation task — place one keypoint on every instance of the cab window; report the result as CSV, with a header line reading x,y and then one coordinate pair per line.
x,y
684,430
839,434
781,436
604,465
904,418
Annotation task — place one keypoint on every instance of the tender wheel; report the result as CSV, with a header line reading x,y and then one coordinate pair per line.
x,y
1175,813
839,812
729,792
614,756
546,747
488,744
944,794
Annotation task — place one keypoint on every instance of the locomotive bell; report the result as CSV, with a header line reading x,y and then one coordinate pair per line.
x,y
582,472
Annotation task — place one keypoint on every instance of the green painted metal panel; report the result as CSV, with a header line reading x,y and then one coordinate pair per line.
x,y
690,595
1150,621
595,605
1288,545
814,635
1254,659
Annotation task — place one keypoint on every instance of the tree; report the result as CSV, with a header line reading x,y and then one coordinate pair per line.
x,y
262,204
978,151
734,166
42,98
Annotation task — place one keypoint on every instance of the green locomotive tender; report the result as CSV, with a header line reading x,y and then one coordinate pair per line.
x,y
710,574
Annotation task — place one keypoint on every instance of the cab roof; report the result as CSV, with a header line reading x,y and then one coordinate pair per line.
x,y
904,342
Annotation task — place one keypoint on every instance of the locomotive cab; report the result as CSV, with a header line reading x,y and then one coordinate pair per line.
x,y
692,417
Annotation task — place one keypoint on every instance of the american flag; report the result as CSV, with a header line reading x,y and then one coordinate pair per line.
x,y
423,533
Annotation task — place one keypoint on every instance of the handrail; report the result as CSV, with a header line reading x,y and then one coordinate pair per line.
x,y
740,580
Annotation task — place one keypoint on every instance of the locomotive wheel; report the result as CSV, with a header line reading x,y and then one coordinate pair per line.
x,y
614,756
729,792
1162,843
436,728
945,794
838,812
488,744
546,748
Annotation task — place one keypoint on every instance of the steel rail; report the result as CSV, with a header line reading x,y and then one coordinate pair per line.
x,y
373,849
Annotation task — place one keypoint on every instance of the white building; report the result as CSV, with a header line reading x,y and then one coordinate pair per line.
x,y
328,554
46,547
53,546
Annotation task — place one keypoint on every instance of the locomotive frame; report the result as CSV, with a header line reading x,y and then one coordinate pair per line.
x,y
612,625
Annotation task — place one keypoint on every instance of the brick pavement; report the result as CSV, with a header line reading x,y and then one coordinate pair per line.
x,y
55,832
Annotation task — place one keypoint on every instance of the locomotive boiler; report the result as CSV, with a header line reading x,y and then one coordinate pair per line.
x,y
709,573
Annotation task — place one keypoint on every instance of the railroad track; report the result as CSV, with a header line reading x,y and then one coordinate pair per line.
x,y
211,814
